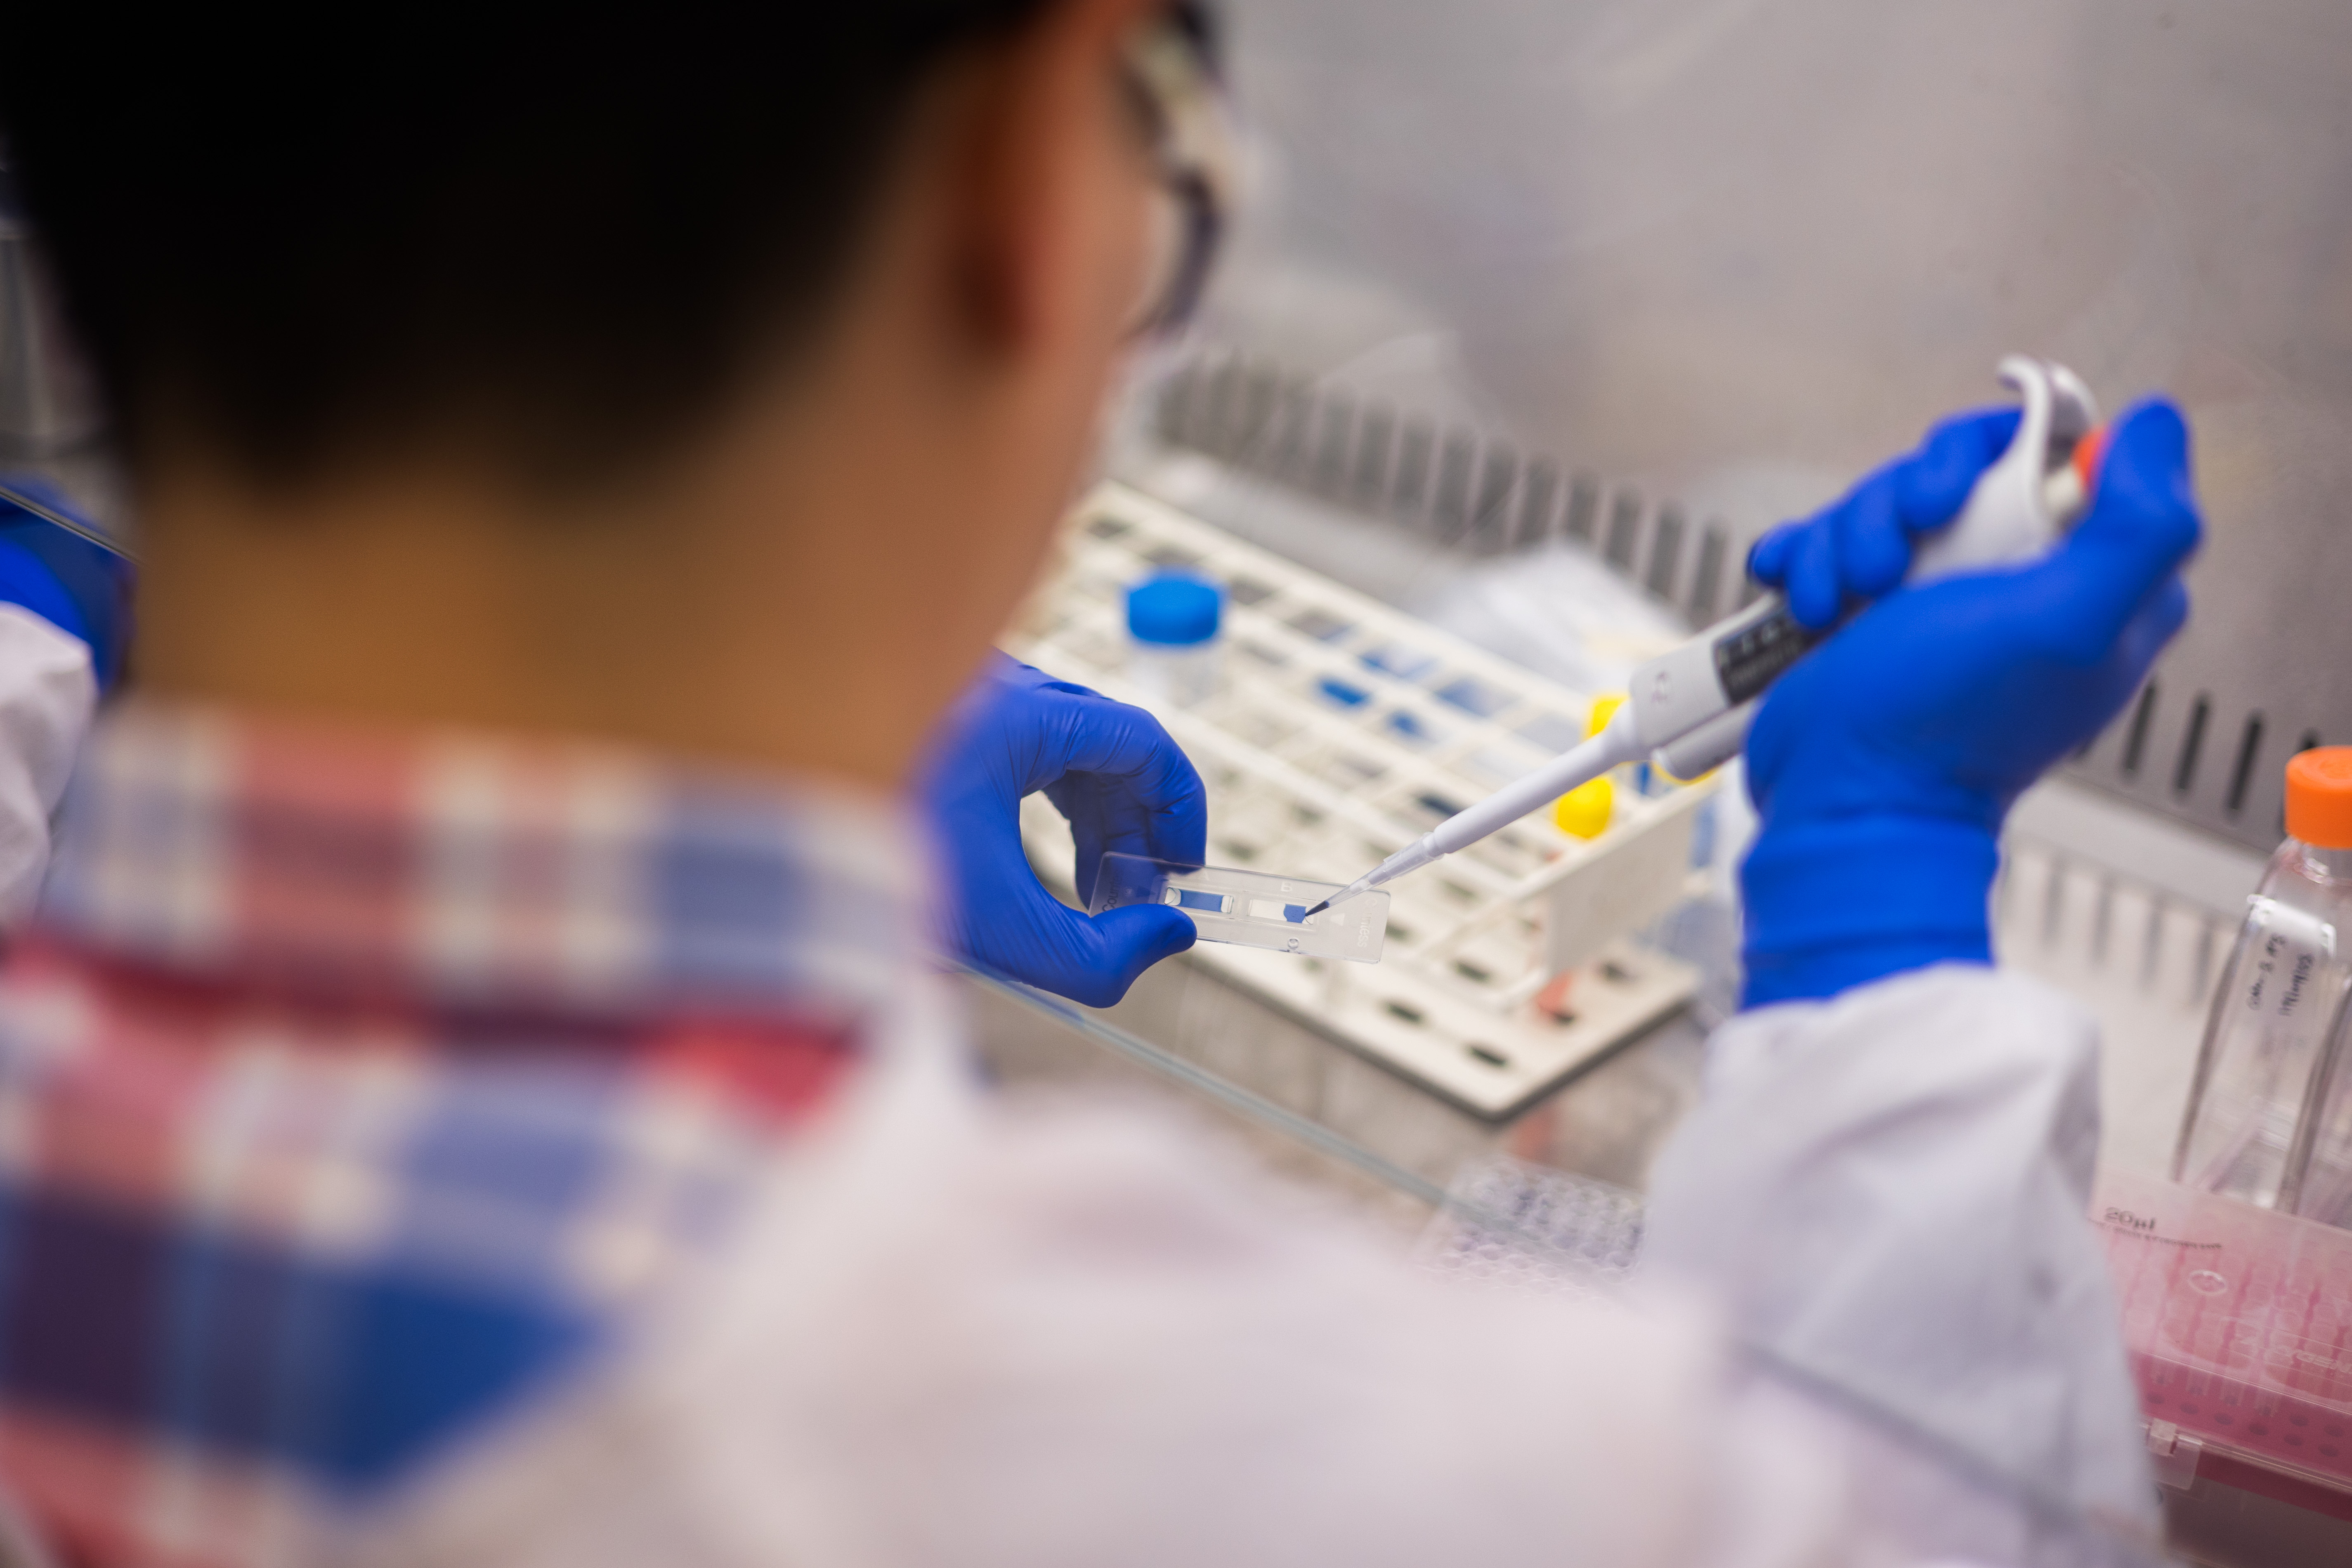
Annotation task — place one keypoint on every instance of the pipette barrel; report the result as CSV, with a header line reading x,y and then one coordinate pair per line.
x,y
1696,701
1617,742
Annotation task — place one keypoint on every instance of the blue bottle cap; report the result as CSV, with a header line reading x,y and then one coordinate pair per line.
x,y
1174,609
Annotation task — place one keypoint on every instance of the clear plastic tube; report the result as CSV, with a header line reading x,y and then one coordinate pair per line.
x,y
1174,642
1179,676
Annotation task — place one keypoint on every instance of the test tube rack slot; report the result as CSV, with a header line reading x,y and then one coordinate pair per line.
x,y
1341,729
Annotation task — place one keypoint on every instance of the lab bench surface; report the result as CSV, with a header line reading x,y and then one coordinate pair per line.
x,y
1606,1123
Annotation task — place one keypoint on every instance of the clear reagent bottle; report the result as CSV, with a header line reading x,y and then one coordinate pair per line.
x,y
1173,650
2324,1191
2263,1066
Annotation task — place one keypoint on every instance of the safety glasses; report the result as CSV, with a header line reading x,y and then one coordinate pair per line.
x,y
1172,73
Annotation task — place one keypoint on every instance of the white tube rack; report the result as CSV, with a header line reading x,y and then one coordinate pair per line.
x,y
1340,730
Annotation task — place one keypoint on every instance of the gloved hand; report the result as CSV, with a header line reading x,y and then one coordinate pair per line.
x,y
1883,764
77,587
1860,547
1123,785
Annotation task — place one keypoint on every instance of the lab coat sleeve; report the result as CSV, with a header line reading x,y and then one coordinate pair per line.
x,y
964,1334
47,694
1889,1191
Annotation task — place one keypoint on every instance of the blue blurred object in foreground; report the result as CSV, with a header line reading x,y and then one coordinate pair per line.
x,y
70,580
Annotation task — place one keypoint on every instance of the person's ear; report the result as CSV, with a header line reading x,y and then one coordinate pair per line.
x,y
1047,223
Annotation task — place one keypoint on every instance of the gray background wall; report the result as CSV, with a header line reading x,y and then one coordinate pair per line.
x,y
1738,250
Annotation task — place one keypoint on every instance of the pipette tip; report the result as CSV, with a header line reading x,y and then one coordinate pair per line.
x,y
1363,884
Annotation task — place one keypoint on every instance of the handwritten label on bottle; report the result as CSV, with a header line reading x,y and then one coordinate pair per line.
x,y
2289,947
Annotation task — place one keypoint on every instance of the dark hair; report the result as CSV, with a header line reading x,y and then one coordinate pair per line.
x,y
563,231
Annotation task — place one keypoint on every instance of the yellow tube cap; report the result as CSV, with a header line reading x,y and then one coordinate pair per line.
x,y
1584,811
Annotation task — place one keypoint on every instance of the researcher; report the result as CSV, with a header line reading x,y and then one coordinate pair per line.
x,y
477,1087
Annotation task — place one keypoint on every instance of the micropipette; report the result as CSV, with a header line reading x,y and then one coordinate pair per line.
x,y
1689,709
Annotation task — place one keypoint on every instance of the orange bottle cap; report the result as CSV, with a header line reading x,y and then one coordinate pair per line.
x,y
2090,455
2319,796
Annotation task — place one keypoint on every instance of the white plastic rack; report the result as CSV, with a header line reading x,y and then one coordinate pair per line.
x,y
1341,729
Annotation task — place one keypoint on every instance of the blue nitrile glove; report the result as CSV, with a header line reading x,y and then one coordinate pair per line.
x,y
1883,764
1859,548
80,588
1108,767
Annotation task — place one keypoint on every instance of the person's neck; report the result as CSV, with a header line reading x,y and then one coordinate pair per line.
x,y
695,622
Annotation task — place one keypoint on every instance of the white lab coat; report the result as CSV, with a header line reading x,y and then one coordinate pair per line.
x,y
971,1332
967,1330
47,693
